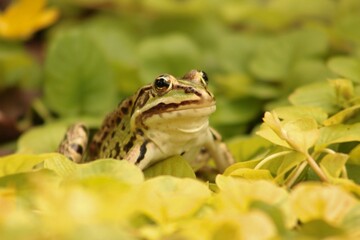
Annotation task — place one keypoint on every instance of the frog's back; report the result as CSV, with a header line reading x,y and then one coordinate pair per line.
x,y
113,135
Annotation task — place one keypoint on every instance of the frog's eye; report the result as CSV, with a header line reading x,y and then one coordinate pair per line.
x,y
204,77
162,83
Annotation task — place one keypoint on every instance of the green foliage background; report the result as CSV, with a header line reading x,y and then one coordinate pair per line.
x,y
297,60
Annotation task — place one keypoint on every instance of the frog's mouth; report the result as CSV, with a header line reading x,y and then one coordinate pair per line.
x,y
182,110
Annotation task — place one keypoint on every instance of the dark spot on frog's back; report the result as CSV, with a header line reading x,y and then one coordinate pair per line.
x,y
130,144
117,148
125,110
118,120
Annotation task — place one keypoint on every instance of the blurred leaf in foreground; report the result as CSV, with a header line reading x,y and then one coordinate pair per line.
x,y
316,201
168,198
239,194
18,163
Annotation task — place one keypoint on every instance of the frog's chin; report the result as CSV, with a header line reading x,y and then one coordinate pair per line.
x,y
194,129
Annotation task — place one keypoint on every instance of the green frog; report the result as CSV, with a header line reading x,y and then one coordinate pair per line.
x,y
166,118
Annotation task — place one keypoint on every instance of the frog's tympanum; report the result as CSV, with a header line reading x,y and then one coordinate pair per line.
x,y
166,118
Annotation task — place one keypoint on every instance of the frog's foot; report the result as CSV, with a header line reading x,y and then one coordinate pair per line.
x,y
75,141
219,151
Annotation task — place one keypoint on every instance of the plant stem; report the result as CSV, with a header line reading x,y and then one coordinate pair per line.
x,y
295,174
269,158
344,172
316,168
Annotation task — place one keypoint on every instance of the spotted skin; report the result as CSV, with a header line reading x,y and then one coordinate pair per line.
x,y
75,142
166,118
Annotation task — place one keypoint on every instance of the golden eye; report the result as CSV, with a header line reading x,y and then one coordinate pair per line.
x,y
162,83
205,77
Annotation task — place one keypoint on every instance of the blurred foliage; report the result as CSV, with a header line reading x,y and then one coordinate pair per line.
x,y
63,200
299,61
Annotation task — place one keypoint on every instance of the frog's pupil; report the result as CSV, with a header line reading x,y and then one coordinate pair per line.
x,y
161,82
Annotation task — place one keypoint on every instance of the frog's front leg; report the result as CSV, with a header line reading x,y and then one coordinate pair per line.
x,y
218,151
74,144
141,154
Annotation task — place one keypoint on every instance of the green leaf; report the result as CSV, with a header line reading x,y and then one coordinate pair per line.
x,y
342,116
346,67
235,61
41,139
267,132
244,148
26,183
18,163
353,171
61,165
75,67
272,59
308,70
175,166
299,134
338,134
236,195
17,66
302,133
271,130
315,201
118,46
274,212
288,162
167,198
319,229
237,111
163,7
296,112
46,138
352,220
251,174
319,94
108,168
354,156
333,163
176,54
240,165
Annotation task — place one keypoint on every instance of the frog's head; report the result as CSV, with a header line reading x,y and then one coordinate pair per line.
x,y
169,100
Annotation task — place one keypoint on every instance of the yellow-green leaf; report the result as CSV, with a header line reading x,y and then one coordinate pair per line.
x,y
333,163
18,163
175,166
298,112
337,134
168,198
111,168
316,201
251,174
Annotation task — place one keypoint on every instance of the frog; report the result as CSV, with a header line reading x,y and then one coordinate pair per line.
x,y
169,117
